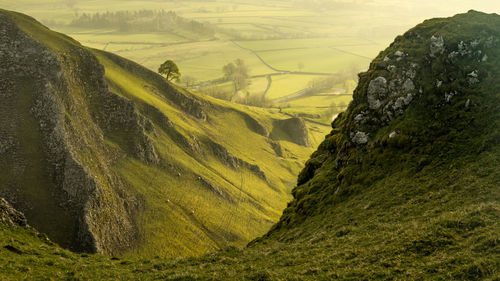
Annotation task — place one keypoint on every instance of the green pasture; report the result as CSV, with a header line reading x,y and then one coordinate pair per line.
x,y
322,60
257,86
320,101
303,43
201,60
288,84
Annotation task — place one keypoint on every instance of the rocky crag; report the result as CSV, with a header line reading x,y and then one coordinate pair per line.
x,y
10,216
59,105
431,76
292,129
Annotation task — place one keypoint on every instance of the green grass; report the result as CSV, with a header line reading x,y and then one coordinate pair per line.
x,y
288,84
160,224
322,60
399,228
257,86
305,43
423,205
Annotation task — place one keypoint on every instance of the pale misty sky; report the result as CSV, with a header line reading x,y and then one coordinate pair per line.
x,y
434,8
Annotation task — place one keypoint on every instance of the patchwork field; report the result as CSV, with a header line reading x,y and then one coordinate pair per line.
x,y
294,42
271,37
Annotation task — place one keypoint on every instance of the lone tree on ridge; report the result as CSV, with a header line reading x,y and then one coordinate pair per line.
x,y
170,70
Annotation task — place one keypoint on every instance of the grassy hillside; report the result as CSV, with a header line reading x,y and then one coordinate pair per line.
x,y
406,187
203,173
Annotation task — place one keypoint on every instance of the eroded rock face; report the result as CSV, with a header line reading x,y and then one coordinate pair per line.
x,y
232,161
217,191
387,95
52,137
254,125
359,138
436,46
293,129
119,114
277,148
377,90
10,216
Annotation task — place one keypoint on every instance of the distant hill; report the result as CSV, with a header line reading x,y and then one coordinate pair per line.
x,y
405,187
105,156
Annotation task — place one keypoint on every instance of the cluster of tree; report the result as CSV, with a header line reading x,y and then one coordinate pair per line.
x,y
70,3
217,92
142,21
325,83
265,34
236,72
242,97
346,79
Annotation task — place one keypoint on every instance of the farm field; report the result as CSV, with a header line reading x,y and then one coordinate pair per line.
x,y
288,40
202,60
287,84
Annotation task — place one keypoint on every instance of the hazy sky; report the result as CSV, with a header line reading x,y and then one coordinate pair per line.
x,y
432,8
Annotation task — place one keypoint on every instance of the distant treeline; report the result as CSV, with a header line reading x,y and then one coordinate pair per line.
x,y
142,21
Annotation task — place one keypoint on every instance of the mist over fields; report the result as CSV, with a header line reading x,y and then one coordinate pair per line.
x,y
328,41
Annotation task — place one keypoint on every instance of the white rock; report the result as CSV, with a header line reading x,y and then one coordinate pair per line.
x,y
411,73
473,77
391,68
453,54
473,74
408,85
398,104
359,117
437,45
463,49
376,90
360,138
449,96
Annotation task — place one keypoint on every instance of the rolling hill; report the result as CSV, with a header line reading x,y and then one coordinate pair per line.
x,y
105,156
405,187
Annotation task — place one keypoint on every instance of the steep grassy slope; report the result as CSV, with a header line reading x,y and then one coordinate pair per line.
x,y
406,187
104,155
